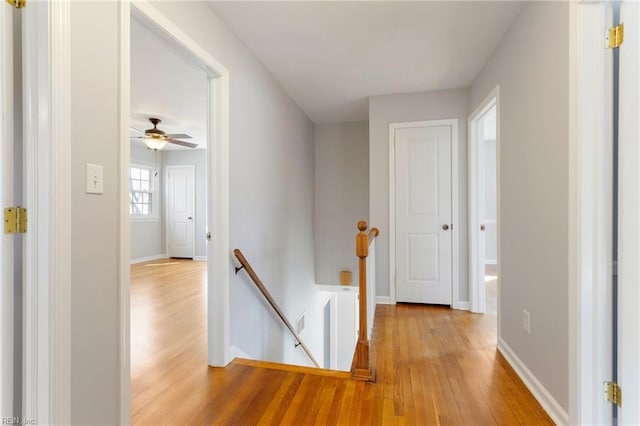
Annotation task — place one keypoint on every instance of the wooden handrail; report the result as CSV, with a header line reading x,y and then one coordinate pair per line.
x,y
373,233
256,280
361,368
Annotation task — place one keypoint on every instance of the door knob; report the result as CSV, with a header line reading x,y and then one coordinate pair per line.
x,y
208,236
445,227
189,218
482,227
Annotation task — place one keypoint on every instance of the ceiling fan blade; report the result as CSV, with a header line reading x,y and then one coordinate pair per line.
x,y
133,129
182,143
178,136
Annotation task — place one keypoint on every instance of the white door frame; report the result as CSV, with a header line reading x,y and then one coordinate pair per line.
x,y
218,317
590,194
47,196
6,197
455,303
192,169
477,293
629,225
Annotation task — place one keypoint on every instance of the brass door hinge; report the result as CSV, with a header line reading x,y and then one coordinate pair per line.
x,y
616,36
15,220
613,393
18,4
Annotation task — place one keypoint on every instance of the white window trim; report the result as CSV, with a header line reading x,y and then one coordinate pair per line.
x,y
156,193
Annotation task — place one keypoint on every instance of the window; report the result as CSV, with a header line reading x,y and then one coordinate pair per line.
x,y
142,202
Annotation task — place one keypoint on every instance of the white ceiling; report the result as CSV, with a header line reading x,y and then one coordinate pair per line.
x,y
331,56
165,84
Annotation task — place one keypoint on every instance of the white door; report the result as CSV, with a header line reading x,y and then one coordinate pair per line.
x,y
180,211
423,214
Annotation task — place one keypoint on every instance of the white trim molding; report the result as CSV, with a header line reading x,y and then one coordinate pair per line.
x,y
462,305
590,217
148,258
477,260
6,197
218,252
47,185
124,219
629,225
384,300
548,402
455,268
60,202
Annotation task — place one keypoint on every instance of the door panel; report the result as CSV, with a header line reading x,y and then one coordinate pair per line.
x,y
180,206
422,251
423,211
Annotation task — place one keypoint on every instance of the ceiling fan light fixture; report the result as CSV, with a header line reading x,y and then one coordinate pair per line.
x,y
155,143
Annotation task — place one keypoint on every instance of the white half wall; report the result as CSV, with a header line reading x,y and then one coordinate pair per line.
x,y
531,65
384,110
341,197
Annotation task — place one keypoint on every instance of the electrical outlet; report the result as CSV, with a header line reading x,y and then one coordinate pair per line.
x,y
526,321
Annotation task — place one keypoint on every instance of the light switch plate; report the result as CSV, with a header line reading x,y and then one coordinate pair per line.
x,y
94,175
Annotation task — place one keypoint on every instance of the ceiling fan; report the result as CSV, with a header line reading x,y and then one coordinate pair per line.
x,y
157,139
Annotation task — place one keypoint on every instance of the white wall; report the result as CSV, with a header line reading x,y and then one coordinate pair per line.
x,y
271,190
147,235
384,110
341,196
197,158
271,194
95,132
531,66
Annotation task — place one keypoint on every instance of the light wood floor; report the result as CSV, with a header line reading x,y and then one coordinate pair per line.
x,y
434,366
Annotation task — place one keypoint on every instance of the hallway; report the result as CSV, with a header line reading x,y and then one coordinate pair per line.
x,y
434,366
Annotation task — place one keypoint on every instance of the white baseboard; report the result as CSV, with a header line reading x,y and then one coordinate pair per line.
x,y
462,306
235,352
200,258
148,258
548,402
384,300
490,261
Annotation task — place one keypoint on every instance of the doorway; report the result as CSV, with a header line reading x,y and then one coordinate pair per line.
x,y
215,237
483,206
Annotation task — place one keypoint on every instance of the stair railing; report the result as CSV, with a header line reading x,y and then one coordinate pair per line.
x,y
361,368
256,280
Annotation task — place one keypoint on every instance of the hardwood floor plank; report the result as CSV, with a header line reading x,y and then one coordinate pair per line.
x,y
336,403
280,402
301,403
324,399
347,402
435,366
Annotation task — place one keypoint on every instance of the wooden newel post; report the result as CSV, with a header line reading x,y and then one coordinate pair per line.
x,y
361,368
